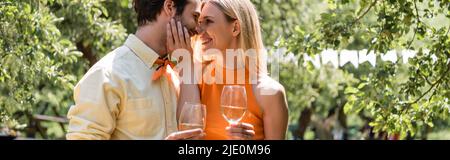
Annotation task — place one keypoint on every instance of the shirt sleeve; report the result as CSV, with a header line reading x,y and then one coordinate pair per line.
x,y
97,99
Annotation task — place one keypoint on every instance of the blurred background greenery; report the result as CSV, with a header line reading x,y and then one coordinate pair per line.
x,y
48,45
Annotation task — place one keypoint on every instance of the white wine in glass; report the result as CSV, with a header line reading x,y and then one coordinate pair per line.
x,y
233,103
192,116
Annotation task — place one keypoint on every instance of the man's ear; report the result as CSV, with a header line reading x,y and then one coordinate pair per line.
x,y
236,28
169,8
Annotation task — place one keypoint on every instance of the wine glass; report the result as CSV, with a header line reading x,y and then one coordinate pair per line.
x,y
233,103
192,116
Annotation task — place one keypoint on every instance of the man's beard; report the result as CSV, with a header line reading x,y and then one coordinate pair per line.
x,y
192,31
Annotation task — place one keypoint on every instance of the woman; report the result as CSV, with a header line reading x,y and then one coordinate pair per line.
x,y
234,24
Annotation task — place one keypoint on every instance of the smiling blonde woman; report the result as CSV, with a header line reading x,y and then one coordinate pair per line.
x,y
234,25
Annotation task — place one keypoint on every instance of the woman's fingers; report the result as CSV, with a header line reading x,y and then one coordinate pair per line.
x,y
178,37
194,133
242,125
198,137
170,40
175,33
181,35
241,131
187,38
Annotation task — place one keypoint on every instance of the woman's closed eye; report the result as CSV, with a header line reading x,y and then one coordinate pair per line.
x,y
206,21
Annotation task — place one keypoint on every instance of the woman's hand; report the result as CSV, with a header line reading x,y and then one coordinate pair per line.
x,y
194,134
177,37
241,131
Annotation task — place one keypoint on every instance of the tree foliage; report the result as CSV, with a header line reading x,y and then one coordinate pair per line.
x,y
397,106
46,46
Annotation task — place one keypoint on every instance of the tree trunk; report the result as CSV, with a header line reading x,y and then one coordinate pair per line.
x,y
87,53
303,122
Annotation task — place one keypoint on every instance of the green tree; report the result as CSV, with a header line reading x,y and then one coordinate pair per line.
x,y
397,105
46,47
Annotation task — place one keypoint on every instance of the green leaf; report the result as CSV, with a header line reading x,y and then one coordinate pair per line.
x,y
348,108
350,90
430,124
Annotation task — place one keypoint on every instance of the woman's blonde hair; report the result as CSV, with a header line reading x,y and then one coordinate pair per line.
x,y
250,37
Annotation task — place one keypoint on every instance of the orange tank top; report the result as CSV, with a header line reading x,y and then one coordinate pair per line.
x,y
215,122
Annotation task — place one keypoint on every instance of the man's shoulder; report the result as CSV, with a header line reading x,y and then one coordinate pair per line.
x,y
118,60
114,57
114,64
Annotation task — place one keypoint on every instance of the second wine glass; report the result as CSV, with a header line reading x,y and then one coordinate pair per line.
x,y
233,103
192,116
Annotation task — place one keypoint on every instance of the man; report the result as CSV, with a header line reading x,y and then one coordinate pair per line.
x,y
120,97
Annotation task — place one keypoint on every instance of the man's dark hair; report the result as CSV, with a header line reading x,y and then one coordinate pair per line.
x,y
148,10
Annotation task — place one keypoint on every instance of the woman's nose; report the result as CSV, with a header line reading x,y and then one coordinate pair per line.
x,y
199,29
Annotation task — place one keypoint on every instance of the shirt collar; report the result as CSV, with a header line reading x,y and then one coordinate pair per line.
x,y
145,53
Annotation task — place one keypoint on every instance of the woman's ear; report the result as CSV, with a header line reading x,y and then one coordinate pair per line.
x,y
169,8
236,28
